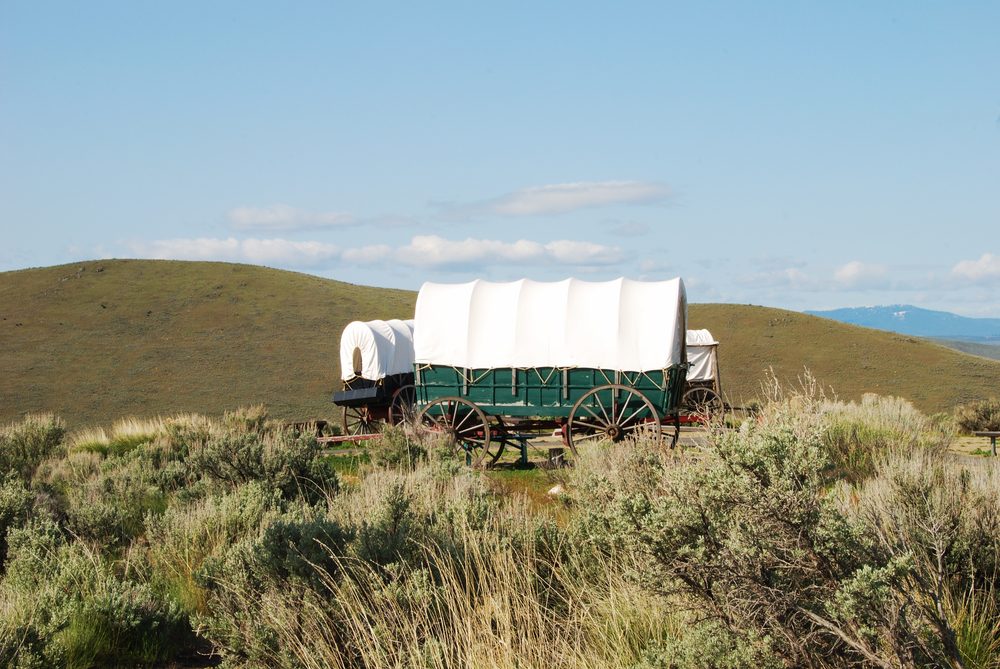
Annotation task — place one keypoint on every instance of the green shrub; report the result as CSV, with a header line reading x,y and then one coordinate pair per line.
x,y
981,416
388,535
246,419
946,519
16,503
306,550
110,504
24,445
66,606
748,533
976,620
184,537
857,435
395,448
289,463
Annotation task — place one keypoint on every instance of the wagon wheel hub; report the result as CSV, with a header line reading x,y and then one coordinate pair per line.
x,y
614,432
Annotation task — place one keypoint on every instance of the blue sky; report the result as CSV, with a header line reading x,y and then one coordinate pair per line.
x,y
799,155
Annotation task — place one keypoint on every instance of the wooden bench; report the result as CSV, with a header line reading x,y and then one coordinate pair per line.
x,y
993,439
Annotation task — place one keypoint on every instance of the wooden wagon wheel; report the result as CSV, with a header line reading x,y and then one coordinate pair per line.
x,y
358,421
465,425
401,405
702,402
612,412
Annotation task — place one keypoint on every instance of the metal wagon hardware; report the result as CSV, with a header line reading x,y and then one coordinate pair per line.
x,y
497,363
376,363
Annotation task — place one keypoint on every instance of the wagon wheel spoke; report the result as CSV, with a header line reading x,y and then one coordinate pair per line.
x,y
466,426
589,437
632,414
627,421
401,405
604,411
358,421
603,422
457,426
702,402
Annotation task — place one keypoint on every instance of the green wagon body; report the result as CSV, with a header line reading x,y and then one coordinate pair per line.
x,y
544,392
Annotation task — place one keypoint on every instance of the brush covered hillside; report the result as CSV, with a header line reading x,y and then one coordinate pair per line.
x,y
93,341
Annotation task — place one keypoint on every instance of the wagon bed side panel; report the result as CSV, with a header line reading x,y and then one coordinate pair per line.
x,y
543,391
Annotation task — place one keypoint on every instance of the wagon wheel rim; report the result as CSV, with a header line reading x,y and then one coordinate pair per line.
x,y
401,407
614,412
359,421
498,442
702,402
464,424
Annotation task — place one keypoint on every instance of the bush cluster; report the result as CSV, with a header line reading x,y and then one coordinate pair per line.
x,y
816,533
981,416
790,567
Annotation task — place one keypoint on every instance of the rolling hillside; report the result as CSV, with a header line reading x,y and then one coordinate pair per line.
x,y
93,341
991,351
849,359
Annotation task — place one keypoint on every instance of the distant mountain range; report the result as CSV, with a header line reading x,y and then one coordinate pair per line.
x,y
910,320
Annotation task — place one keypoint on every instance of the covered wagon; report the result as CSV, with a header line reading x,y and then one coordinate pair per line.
x,y
376,366
703,394
594,360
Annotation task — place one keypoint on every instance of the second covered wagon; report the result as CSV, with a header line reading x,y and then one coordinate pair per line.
x,y
376,366
595,360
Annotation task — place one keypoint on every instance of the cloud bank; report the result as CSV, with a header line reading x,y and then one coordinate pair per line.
x,y
987,268
563,198
423,252
857,274
258,251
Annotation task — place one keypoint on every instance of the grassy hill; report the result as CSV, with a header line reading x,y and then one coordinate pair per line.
x,y
93,341
849,359
991,351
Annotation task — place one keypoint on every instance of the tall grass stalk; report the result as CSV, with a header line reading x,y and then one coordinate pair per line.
x,y
484,607
858,434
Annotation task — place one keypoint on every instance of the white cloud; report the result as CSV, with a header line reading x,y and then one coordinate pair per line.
x,y
433,251
986,268
257,251
568,252
284,217
426,251
562,198
857,274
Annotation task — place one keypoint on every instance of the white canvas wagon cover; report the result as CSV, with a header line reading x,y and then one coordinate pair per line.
x,y
701,355
619,325
386,348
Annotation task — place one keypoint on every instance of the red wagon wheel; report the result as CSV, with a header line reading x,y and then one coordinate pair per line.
x,y
401,405
613,412
358,421
465,425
